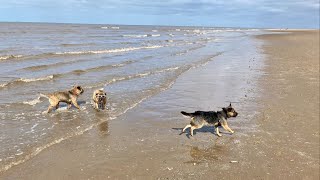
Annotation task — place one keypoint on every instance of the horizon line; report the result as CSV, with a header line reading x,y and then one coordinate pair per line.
x,y
262,28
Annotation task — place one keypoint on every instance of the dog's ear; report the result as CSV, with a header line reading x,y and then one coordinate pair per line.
x,y
225,110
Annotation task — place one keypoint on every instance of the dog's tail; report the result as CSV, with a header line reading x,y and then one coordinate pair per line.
x,y
186,114
43,95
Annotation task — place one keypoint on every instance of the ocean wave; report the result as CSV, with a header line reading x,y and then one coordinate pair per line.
x,y
47,66
112,27
75,44
38,67
134,35
114,80
70,53
108,50
6,57
140,35
129,77
33,101
110,66
27,80
153,35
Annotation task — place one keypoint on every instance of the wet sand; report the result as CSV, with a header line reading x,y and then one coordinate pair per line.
x,y
276,134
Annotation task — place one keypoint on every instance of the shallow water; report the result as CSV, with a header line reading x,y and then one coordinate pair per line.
x,y
131,63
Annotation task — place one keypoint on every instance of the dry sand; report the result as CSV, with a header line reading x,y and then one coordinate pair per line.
x,y
276,134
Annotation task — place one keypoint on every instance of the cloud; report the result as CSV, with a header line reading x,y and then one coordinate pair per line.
x,y
194,12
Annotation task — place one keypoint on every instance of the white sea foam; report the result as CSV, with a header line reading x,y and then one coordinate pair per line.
x,y
153,35
114,80
3,85
32,102
108,50
9,57
135,35
36,79
26,80
32,128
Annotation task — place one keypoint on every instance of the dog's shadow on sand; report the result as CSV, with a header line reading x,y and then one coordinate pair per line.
x,y
204,129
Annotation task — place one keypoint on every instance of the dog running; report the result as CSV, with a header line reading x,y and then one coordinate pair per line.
x,y
69,97
204,118
99,98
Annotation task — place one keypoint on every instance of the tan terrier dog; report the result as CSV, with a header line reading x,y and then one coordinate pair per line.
x,y
99,98
69,97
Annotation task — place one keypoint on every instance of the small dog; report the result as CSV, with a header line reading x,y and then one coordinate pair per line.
x,y
69,97
99,98
202,118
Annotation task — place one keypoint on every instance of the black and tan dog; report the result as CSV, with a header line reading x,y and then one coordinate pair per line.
x,y
69,97
99,98
202,118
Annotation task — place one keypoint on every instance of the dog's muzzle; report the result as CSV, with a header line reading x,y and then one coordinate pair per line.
x,y
101,99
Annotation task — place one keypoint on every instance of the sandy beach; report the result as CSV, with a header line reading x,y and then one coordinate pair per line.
x,y
273,81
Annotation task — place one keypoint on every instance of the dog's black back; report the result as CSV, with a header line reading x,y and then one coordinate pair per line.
x,y
211,117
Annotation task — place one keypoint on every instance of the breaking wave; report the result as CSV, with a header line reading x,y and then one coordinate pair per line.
x,y
6,57
105,51
27,80
108,50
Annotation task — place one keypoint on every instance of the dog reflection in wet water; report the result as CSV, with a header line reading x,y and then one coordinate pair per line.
x,y
99,99
215,118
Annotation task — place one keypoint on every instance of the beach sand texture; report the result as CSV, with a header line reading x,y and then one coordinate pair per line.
x,y
273,80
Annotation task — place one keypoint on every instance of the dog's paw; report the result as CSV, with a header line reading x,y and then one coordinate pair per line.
x,y
232,132
219,135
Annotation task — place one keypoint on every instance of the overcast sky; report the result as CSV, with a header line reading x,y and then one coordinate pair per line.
x,y
217,13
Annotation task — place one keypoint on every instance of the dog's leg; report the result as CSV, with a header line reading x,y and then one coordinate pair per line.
x,y
57,106
225,126
196,127
50,109
191,130
69,106
74,102
187,126
217,131
53,104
